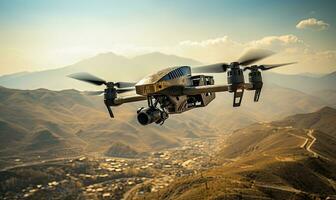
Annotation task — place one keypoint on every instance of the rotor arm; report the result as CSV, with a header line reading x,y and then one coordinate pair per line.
x,y
129,99
210,88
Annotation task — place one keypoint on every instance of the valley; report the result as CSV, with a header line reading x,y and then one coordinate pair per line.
x,y
263,160
267,161
62,143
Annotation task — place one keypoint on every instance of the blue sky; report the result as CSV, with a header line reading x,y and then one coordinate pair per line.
x,y
57,28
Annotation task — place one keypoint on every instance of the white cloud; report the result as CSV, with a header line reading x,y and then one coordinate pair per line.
x,y
313,24
210,50
277,42
205,43
224,48
288,48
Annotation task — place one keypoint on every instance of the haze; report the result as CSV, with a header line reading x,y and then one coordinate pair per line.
x,y
39,35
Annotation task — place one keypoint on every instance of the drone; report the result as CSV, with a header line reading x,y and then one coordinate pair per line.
x,y
176,90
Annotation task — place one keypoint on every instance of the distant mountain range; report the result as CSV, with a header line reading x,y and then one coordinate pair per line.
x,y
108,66
118,68
303,83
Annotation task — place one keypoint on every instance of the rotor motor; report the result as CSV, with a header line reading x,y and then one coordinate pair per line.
x,y
255,79
110,93
235,77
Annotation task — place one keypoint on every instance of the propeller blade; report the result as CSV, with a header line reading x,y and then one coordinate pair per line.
x,y
123,90
124,84
83,76
214,68
93,93
267,67
253,56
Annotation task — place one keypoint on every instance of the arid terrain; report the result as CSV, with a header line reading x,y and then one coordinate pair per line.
x,y
289,159
63,145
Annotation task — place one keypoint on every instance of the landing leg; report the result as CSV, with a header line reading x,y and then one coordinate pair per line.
x,y
257,95
237,97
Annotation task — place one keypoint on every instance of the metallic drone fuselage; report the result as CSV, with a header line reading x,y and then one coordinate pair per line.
x,y
176,90
167,87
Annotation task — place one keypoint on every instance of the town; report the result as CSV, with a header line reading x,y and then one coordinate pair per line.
x,y
101,177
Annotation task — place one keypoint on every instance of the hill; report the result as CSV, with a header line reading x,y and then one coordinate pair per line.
x,y
118,149
322,120
51,124
7,140
275,103
268,161
79,124
304,83
43,140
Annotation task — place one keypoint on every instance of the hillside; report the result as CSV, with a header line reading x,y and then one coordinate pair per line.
x,y
307,84
275,103
268,161
322,120
118,149
66,123
75,124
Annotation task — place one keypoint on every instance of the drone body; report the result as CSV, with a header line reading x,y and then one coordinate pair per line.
x,y
176,90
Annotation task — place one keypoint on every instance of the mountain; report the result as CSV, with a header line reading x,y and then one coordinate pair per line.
x,y
106,65
329,96
275,103
293,158
45,123
307,84
322,120
53,124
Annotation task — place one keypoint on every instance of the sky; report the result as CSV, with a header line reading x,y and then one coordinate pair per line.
x,y
39,34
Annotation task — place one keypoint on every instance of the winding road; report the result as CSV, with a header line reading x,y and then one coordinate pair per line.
x,y
313,139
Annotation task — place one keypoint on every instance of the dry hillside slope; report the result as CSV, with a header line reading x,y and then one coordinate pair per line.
x,y
268,161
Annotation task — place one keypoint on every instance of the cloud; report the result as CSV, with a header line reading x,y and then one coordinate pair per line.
x,y
288,48
277,42
210,50
224,48
208,42
313,24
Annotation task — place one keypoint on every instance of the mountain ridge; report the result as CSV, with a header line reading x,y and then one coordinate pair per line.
x,y
56,79
107,65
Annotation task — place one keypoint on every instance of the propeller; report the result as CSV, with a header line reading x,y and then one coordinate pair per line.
x,y
93,93
267,67
118,90
214,68
247,58
111,91
89,78
254,55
